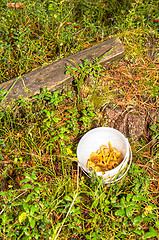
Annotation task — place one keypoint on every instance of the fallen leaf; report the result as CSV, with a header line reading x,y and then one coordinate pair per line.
x,y
16,5
22,217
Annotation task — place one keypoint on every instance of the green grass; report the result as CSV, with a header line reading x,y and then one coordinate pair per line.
x,y
43,193
44,31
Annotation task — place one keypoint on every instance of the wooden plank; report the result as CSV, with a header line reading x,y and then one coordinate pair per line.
x,y
53,75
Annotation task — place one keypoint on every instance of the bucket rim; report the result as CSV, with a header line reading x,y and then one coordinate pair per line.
x,y
125,159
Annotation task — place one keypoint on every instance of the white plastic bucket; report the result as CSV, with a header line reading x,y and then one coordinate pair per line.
x,y
92,141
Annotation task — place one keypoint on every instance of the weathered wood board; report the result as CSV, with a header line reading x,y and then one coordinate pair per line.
x,y
53,75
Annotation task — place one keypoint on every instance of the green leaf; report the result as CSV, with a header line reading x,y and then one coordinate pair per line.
x,y
50,7
87,236
24,181
106,209
1,156
56,120
142,198
33,209
56,138
95,203
27,186
61,136
16,204
107,202
31,196
37,190
103,197
67,72
153,128
128,197
32,222
48,114
48,124
66,137
22,217
128,212
157,224
152,233
120,213
135,198
26,207
137,220
122,201
68,198
3,194
33,176
40,217
139,232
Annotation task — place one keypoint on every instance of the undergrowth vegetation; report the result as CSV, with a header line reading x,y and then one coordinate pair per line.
x,y
44,195
39,32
